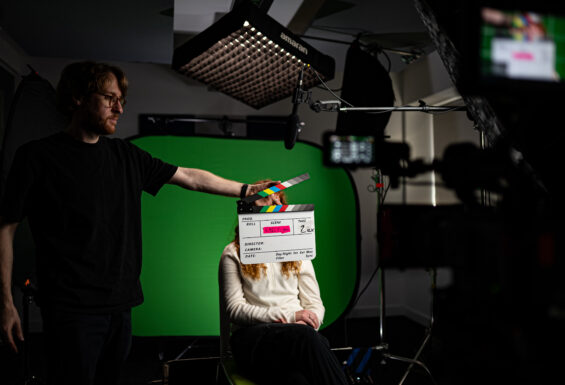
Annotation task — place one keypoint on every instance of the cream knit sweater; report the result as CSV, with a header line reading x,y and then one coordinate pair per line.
x,y
245,301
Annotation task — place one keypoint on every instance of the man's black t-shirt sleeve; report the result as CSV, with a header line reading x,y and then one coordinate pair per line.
x,y
155,172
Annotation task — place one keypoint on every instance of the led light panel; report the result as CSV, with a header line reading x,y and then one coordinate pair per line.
x,y
249,56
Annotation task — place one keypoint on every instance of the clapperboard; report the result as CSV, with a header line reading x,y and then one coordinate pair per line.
x,y
276,233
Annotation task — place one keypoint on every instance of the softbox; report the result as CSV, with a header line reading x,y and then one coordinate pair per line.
x,y
366,83
33,115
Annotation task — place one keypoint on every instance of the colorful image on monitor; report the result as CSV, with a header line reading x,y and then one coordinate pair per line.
x,y
522,45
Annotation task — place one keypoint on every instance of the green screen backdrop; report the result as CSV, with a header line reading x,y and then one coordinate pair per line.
x,y
185,232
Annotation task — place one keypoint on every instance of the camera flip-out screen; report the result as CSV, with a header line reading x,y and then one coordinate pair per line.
x,y
349,150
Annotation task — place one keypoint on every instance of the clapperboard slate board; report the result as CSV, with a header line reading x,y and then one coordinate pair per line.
x,y
276,233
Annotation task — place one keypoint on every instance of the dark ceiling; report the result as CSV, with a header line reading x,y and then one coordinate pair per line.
x,y
143,31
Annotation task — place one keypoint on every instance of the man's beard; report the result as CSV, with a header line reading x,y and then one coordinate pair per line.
x,y
100,126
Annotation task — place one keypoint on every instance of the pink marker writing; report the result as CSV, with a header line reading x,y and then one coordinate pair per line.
x,y
523,56
276,229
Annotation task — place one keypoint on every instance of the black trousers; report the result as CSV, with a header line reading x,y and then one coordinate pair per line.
x,y
285,354
85,349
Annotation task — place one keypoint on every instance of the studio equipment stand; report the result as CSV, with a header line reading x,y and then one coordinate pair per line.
x,y
383,347
399,165
28,295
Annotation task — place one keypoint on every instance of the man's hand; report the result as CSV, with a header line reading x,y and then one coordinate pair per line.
x,y
11,325
255,188
308,317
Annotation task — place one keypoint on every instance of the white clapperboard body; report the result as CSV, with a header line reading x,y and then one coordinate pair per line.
x,y
276,233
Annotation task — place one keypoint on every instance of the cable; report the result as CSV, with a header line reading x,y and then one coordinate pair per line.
x,y
372,187
346,102
328,88
324,88
385,192
366,286
377,177
381,201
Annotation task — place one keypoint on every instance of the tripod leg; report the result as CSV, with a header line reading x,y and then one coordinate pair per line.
x,y
415,359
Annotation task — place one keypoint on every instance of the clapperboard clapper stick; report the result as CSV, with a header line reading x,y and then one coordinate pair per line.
x,y
279,233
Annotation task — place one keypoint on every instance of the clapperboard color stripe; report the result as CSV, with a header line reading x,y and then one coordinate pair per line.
x,y
281,208
274,189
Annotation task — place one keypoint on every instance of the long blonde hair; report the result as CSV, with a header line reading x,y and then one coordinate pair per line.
x,y
255,270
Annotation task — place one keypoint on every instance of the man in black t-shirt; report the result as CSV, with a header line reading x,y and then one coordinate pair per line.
x,y
81,192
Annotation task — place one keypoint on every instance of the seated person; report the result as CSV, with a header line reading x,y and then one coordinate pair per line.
x,y
273,312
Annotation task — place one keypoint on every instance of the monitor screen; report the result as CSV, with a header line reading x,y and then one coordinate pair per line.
x,y
523,45
349,150
513,51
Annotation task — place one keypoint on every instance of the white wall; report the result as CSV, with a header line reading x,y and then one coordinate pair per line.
x,y
408,292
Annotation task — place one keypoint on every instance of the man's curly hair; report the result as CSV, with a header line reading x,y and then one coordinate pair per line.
x,y
82,79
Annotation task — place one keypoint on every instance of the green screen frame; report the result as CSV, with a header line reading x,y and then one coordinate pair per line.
x,y
185,232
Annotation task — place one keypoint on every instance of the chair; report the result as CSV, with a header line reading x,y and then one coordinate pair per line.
x,y
226,366
229,370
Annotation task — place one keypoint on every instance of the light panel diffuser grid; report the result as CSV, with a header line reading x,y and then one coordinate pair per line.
x,y
249,67
252,58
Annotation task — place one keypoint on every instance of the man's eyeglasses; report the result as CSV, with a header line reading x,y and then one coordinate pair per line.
x,y
111,99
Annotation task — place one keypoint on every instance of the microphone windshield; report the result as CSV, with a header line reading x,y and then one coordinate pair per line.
x,y
291,131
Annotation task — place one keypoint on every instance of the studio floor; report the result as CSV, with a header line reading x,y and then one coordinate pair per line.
x,y
462,352
193,360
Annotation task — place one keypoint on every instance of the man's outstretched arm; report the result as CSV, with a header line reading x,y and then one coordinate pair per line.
x,y
205,181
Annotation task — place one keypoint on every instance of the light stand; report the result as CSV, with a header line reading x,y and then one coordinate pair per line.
x,y
415,359
383,346
413,168
28,294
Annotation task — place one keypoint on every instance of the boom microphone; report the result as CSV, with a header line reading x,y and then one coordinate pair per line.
x,y
293,126
293,123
